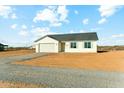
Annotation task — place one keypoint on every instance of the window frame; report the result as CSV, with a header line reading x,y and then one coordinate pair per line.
x,y
88,44
72,45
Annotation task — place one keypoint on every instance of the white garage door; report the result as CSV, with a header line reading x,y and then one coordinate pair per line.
x,y
47,47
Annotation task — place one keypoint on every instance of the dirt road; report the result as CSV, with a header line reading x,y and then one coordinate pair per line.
x,y
56,77
107,61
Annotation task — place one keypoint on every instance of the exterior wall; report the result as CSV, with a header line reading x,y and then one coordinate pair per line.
x,y
80,47
36,48
59,45
47,40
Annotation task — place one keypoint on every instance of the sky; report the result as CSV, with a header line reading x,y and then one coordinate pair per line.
x,y
21,25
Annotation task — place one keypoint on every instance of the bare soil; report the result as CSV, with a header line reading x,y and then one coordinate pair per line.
x,y
15,53
6,84
107,61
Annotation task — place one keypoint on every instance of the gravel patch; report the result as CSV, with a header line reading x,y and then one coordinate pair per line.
x,y
57,77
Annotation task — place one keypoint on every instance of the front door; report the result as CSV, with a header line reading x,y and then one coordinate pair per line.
x,y
62,47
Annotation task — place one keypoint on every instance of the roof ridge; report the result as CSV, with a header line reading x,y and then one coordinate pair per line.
x,y
71,33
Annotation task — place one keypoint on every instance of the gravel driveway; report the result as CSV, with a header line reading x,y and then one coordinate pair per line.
x,y
56,77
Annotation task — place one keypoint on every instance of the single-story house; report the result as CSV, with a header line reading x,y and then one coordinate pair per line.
x,y
76,42
3,47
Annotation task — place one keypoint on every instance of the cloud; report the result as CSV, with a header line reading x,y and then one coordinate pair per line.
x,y
32,26
7,12
13,16
23,33
52,7
55,15
24,26
82,31
106,11
45,15
63,12
111,41
101,21
3,41
95,29
115,39
55,24
118,36
76,12
72,31
41,31
77,31
85,21
14,26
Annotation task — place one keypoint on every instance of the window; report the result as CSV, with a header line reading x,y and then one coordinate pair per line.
x,y
73,45
87,44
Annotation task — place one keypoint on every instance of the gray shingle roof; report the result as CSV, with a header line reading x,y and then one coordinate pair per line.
x,y
73,37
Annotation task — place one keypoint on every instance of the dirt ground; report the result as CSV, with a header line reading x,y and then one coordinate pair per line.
x,y
15,53
107,61
6,84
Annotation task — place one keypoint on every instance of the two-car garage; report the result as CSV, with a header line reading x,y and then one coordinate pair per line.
x,y
47,44
47,47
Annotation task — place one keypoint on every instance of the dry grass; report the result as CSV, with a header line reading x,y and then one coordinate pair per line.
x,y
108,61
15,53
6,84
110,48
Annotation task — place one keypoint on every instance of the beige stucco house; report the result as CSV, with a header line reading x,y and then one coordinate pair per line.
x,y
77,42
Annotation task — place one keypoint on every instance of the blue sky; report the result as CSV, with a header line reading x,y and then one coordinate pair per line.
x,y
21,25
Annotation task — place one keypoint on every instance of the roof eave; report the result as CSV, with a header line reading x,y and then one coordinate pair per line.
x,y
44,37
